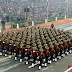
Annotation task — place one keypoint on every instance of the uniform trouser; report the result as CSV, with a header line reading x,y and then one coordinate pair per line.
x,y
64,49
28,57
34,61
68,48
7,50
17,53
60,52
40,62
22,55
56,54
46,58
2,48
51,56
11,51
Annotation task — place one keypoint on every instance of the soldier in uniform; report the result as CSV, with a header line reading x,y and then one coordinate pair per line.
x,y
61,49
41,56
57,50
2,45
17,50
65,46
47,55
34,56
1,34
39,45
27,53
22,52
69,45
52,25
52,52
6,47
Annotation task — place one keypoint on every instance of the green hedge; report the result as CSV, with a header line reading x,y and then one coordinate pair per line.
x,y
51,18
20,25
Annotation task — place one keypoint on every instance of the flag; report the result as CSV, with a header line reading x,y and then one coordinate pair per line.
x,y
69,66
47,2
66,1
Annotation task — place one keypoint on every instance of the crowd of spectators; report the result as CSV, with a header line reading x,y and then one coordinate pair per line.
x,y
38,9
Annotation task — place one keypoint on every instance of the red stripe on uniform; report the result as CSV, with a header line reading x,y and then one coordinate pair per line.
x,y
69,42
33,54
61,46
16,48
40,54
46,52
1,43
28,51
65,45
52,49
22,49
56,48
10,46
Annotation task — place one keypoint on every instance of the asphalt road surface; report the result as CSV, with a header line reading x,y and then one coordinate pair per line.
x,y
9,65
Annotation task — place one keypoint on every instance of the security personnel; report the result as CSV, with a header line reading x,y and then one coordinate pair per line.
x,y
3,24
52,25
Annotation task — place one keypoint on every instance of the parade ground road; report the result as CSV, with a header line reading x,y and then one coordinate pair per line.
x,y
9,65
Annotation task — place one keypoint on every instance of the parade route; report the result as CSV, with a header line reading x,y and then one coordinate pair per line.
x,y
35,35
9,65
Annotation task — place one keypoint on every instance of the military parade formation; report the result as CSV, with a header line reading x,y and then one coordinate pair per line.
x,y
36,45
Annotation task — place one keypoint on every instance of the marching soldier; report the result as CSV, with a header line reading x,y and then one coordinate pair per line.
x,y
17,50
27,54
65,47
69,45
41,56
6,47
2,45
36,44
47,55
34,55
61,49
52,53
57,50
22,52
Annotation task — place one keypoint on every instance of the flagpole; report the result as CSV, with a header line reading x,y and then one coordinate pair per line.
x,y
67,9
47,10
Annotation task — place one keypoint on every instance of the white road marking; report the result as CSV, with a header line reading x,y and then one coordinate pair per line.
x,y
45,69
10,67
50,66
52,69
4,64
6,69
